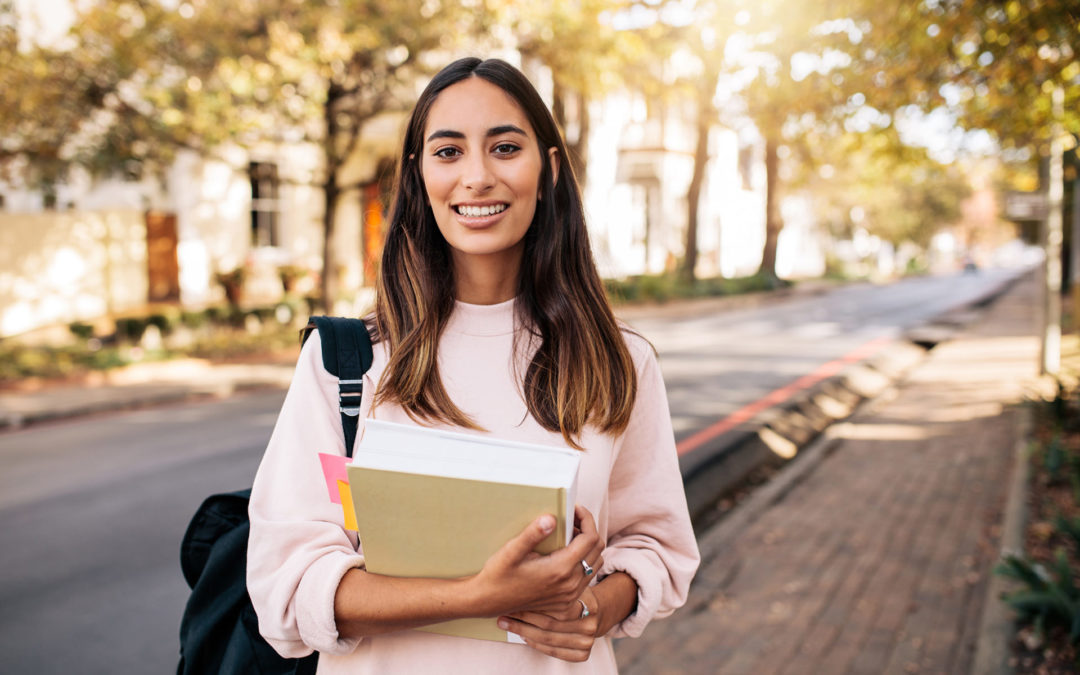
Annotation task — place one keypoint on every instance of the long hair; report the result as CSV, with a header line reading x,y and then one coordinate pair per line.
x,y
581,371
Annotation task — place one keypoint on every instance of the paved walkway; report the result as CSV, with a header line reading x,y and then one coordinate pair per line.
x,y
877,560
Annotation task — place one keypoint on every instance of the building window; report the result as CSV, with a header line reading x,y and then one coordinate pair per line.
x,y
265,209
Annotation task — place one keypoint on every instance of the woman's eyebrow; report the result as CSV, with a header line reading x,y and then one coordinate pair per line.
x,y
445,133
493,131
505,129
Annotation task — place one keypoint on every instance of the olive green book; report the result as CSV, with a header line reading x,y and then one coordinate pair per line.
x,y
432,503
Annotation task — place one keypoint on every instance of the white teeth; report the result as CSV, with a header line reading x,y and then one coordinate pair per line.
x,y
480,211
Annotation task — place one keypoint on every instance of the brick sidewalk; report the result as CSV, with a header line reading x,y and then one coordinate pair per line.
x,y
877,561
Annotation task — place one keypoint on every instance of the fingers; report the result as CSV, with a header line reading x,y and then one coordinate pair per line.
x,y
585,547
549,618
516,578
566,640
587,539
583,519
521,546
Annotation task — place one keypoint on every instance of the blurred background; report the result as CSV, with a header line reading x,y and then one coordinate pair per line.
x,y
170,169
182,182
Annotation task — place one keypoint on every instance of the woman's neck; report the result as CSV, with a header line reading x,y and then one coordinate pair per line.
x,y
486,280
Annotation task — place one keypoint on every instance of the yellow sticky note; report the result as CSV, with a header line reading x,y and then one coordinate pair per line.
x,y
347,505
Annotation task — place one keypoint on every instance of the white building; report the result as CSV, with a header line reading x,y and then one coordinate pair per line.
x,y
108,247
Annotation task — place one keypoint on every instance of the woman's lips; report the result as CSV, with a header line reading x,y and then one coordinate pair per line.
x,y
480,210
479,222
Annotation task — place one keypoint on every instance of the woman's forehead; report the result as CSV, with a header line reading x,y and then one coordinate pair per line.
x,y
475,106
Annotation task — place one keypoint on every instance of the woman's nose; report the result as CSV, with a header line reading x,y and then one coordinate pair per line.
x,y
478,176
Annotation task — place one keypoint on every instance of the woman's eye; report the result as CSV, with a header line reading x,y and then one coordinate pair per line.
x,y
506,149
447,153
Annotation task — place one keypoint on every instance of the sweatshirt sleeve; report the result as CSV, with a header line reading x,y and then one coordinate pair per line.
x,y
298,549
650,535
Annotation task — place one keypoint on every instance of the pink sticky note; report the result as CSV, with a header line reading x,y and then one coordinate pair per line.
x,y
333,468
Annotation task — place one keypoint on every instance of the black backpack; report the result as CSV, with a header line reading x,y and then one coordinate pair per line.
x,y
219,632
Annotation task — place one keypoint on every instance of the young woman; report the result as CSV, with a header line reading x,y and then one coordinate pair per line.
x,y
490,317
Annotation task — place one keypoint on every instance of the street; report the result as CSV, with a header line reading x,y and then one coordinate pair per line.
x,y
92,513
93,509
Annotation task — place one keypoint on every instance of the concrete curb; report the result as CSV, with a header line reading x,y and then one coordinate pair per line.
x,y
18,410
721,536
790,430
10,420
997,626
786,432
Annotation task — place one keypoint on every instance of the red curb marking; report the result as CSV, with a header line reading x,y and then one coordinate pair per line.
x,y
778,396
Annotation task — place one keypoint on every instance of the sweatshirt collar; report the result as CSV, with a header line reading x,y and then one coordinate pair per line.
x,y
482,320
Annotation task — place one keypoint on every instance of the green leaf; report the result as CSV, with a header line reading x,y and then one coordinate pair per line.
x,y
1016,567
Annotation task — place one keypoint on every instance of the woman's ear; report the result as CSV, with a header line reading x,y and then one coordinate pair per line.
x,y
553,157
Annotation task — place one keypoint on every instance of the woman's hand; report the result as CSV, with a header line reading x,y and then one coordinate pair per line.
x,y
565,635
516,579
570,636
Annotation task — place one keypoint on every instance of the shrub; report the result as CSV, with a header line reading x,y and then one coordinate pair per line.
x,y
83,331
1054,457
1048,598
165,321
664,287
194,320
131,328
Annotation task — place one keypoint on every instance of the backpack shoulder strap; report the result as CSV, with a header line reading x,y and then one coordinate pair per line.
x,y
346,354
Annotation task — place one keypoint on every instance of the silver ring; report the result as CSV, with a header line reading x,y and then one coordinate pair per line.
x,y
584,609
588,570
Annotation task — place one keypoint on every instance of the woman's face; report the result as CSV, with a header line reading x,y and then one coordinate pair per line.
x,y
481,168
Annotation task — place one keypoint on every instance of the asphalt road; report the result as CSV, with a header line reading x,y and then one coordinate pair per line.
x,y
92,510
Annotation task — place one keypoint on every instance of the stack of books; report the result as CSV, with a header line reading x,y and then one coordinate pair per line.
x,y
432,503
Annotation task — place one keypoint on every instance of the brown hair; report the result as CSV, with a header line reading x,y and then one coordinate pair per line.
x,y
581,372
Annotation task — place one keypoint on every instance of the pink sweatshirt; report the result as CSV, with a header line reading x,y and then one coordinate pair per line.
x,y
298,550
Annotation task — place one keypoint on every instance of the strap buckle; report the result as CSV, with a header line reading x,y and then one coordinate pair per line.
x,y
349,401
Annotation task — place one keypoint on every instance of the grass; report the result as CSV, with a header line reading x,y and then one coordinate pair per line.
x,y
659,288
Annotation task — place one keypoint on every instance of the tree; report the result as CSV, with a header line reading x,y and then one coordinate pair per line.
x,y
756,49
801,83
55,89
587,56
705,117
204,74
901,194
995,62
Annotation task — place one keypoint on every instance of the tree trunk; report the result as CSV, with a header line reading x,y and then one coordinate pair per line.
x,y
773,222
579,151
577,147
558,105
1075,243
693,193
328,284
331,192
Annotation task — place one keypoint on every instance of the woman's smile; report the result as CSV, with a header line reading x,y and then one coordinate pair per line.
x,y
479,216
